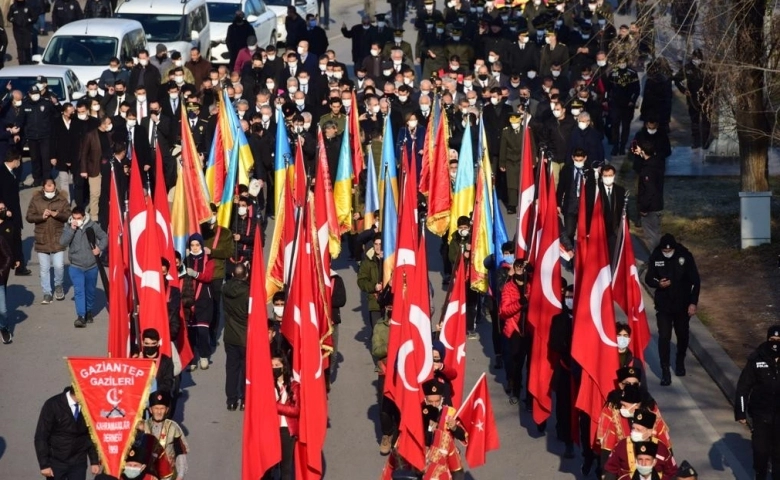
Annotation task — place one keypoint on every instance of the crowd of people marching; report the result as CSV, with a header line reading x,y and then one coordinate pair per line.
x,y
497,102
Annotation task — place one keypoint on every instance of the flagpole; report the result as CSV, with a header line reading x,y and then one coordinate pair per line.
x,y
298,225
136,306
457,414
623,231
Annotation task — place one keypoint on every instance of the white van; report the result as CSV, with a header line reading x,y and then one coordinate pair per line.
x,y
177,24
87,46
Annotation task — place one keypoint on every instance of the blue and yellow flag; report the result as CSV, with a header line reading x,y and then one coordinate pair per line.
x,y
237,172
342,185
463,194
389,231
389,165
283,159
372,193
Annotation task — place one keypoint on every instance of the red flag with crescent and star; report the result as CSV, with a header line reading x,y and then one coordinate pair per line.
x,y
476,415
627,291
594,319
545,299
526,194
146,226
118,308
453,331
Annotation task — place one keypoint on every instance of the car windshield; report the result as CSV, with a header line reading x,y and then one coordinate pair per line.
x,y
223,12
80,50
278,3
23,84
159,28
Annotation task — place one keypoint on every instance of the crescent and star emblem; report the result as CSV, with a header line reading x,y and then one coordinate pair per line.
x,y
149,278
603,281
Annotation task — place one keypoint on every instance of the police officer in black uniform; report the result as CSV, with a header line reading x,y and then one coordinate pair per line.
x,y
758,393
694,82
64,12
21,16
672,272
35,121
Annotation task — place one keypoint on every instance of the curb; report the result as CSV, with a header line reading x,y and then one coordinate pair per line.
x,y
716,362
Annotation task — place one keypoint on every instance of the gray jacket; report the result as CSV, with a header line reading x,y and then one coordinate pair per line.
x,y
79,252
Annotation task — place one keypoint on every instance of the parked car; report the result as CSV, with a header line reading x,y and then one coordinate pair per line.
x,y
221,14
279,7
62,81
177,24
87,46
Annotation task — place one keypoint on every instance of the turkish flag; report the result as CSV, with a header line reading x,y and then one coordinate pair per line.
x,y
627,292
299,176
594,320
526,197
476,416
145,227
305,308
262,448
453,331
118,312
544,301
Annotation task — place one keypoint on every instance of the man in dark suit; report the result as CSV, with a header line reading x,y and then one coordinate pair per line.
x,y
198,127
9,196
291,69
146,75
316,36
160,135
171,103
62,441
308,60
115,95
613,201
570,188
137,140
361,36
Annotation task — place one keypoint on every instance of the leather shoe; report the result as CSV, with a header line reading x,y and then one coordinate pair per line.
x,y
680,370
498,363
232,406
23,272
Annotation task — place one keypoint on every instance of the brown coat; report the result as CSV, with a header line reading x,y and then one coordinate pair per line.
x,y
48,230
91,153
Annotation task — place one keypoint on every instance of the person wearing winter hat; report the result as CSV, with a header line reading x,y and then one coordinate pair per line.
x,y
757,394
623,461
197,298
443,373
672,272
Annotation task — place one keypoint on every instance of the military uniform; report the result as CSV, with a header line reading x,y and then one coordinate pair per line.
x,y
340,120
693,82
509,160
405,46
622,461
173,463
460,47
432,49
559,54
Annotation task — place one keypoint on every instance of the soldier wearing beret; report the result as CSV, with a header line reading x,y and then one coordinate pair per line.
x,y
173,464
624,461
758,394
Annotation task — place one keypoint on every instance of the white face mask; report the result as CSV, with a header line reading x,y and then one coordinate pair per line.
x,y
132,472
242,211
113,69
468,83
374,52
582,125
278,310
269,85
177,63
96,107
439,31
622,66
143,62
425,108
623,342
35,97
515,84
531,74
17,103
696,62
575,111
270,58
463,233
637,436
398,39
82,116
569,303
456,38
453,175
557,113
472,101
412,123
375,109
556,73
300,102
303,81
292,89
49,195
109,128
300,50
403,98
306,126
601,63
131,123
141,98
179,79
644,470
547,40
429,8
492,58
173,96
626,413
292,65
668,254
380,24
92,93
80,223
494,100
609,181
387,73
652,131
347,102
121,114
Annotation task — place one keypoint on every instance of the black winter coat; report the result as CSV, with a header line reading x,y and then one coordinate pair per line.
x,y
685,282
650,194
758,388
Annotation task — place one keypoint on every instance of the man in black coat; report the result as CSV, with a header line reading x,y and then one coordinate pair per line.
x,y
570,188
9,196
672,272
296,28
361,36
613,201
150,344
237,34
146,75
62,441
650,191
332,141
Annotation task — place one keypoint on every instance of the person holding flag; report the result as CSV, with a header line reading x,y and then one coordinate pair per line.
x,y
460,249
514,313
288,407
369,279
197,298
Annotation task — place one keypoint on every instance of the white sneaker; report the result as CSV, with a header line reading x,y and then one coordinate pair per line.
x,y
204,363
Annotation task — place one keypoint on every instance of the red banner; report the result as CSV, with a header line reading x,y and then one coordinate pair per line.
x,y
112,393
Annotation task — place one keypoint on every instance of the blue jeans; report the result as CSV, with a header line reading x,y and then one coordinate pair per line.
x,y
84,283
40,24
48,260
3,309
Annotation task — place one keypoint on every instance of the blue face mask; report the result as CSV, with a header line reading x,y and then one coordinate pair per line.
x,y
510,259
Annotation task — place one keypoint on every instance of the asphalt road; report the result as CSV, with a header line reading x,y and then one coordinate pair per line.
x,y
33,369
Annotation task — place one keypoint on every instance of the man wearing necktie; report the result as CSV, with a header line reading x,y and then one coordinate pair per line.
x,y
570,187
613,202
198,126
62,441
